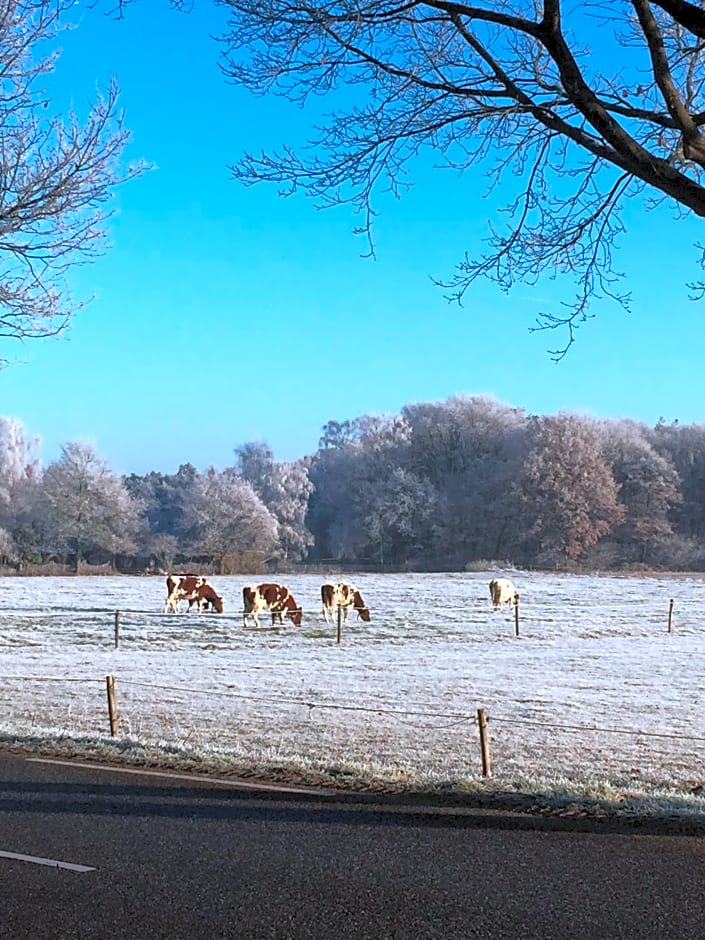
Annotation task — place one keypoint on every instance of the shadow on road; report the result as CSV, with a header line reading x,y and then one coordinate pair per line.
x,y
213,802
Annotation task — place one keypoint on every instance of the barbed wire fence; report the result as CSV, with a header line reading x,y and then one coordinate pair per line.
x,y
572,614
414,744
521,621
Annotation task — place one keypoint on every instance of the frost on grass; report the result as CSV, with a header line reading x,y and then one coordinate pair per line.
x,y
594,701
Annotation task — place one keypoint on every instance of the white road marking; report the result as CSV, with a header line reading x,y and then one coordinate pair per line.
x,y
219,781
50,862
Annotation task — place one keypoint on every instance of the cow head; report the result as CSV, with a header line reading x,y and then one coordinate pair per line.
x,y
361,607
296,614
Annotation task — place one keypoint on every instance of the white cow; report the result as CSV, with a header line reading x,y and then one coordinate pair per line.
x,y
502,591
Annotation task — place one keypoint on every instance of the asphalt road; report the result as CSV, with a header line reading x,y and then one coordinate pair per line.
x,y
171,858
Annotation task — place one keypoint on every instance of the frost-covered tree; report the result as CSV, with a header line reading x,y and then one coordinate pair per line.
x,y
164,548
648,490
164,498
397,515
284,488
568,490
292,490
470,448
683,445
256,464
332,514
85,507
8,550
19,462
20,473
337,434
368,505
226,517
56,172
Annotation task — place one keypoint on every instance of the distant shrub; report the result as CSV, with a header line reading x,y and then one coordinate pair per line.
x,y
244,562
485,564
47,568
105,569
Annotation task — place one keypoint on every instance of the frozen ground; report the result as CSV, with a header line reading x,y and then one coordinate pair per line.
x,y
594,698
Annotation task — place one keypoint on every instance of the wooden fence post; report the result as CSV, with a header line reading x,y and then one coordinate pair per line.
x,y
340,623
516,613
484,742
670,615
112,706
117,629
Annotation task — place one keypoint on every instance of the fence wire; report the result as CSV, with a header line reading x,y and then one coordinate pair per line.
x,y
412,745
396,699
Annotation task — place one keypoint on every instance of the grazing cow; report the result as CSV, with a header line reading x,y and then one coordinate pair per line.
x,y
502,591
194,589
342,595
274,597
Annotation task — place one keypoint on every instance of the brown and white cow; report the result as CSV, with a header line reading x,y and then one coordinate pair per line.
x,y
273,597
192,588
340,594
502,591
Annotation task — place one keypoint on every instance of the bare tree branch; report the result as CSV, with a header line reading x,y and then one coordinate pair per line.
x,y
693,143
687,14
510,89
56,175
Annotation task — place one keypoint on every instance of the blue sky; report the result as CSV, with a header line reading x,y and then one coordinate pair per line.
x,y
224,314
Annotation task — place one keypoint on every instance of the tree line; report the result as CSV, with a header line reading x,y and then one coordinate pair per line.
x,y
469,481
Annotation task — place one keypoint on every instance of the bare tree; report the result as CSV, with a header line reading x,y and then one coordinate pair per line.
x,y
570,109
56,173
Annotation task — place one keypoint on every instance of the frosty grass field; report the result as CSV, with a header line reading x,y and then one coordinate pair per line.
x,y
594,699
